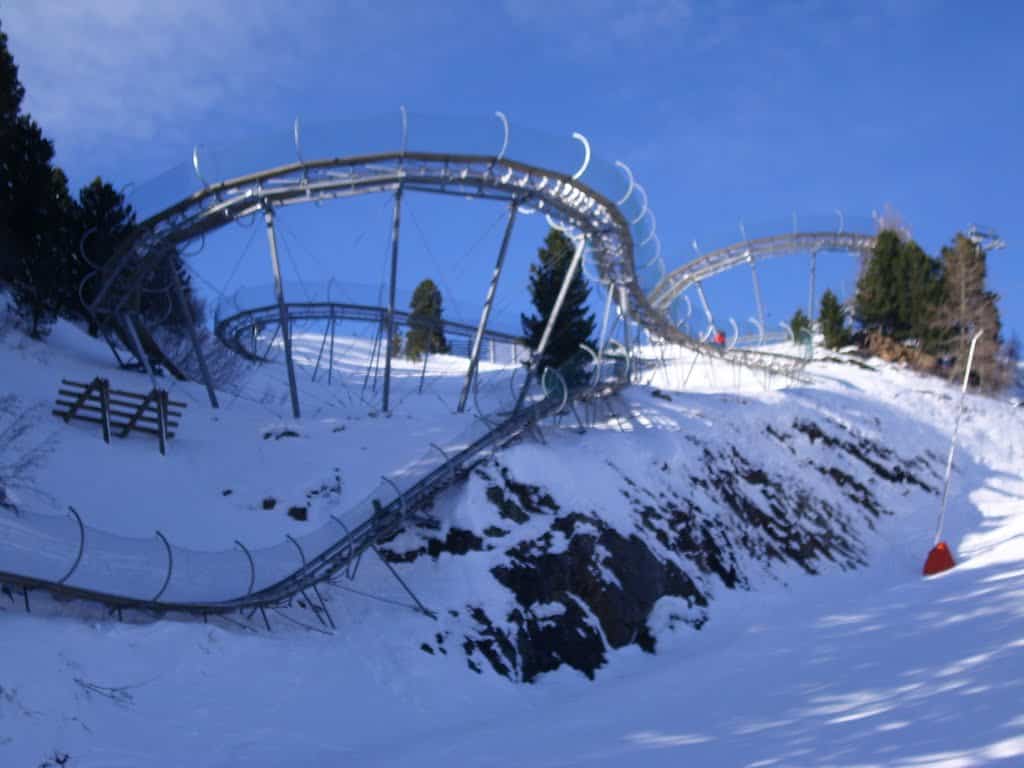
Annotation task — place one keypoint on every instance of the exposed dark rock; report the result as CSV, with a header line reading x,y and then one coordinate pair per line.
x,y
269,503
298,513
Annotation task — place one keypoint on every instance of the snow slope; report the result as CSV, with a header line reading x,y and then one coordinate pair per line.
x,y
870,666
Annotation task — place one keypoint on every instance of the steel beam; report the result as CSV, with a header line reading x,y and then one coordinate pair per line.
x,y
282,309
810,290
474,357
386,400
556,310
757,294
624,309
189,321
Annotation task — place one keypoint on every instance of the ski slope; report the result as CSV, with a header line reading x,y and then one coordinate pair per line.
x,y
875,666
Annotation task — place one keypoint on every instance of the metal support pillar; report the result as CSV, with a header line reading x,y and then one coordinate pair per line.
x,y
603,338
282,309
556,310
704,303
810,291
474,357
330,352
757,295
186,316
624,309
391,300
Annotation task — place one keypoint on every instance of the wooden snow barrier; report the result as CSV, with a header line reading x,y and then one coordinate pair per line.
x,y
119,412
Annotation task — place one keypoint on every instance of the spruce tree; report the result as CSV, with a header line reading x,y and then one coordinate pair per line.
x,y
800,324
832,323
899,289
574,325
425,334
104,220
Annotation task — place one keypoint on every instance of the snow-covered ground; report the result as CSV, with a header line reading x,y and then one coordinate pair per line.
x,y
867,667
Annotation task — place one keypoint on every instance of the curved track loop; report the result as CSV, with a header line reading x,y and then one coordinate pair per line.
x,y
233,331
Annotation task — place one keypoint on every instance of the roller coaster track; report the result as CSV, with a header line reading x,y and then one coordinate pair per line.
x,y
69,560
233,331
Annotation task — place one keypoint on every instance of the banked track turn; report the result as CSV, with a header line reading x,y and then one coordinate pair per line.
x,y
52,554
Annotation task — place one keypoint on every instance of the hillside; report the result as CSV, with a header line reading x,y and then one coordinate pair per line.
x,y
727,575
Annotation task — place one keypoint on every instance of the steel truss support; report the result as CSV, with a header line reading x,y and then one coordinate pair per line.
x,y
603,340
282,308
474,358
624,309
189,321
386,399
556,310
419,606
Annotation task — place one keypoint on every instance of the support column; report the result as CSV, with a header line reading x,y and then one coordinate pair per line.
x,y
624,309
538,354
810,292
603,338
390,329
186,316
282,309
330,361
757,294
474,357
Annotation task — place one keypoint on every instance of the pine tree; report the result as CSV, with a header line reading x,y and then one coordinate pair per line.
x,y
11,94
800,324
832,322
898,290
104,220
425,334
574,325
968,308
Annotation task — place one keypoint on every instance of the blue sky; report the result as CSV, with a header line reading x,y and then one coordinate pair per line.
x,y
726,110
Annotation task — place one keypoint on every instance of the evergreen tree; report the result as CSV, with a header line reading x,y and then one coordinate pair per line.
x,y
11,94
38,224
800,324
103,221
574,324
11,90
899,289
425,334
968,308
832,323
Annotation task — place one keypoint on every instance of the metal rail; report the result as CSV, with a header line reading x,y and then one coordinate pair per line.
x,y
233,330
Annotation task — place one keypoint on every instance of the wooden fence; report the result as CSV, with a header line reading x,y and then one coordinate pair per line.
x,y
119,412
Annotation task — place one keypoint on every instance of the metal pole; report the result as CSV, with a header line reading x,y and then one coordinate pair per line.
x,y
282,309
391,299
603,339
474,357
956,430
810,293
179,295
757,294
624,308
330,362
538,354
